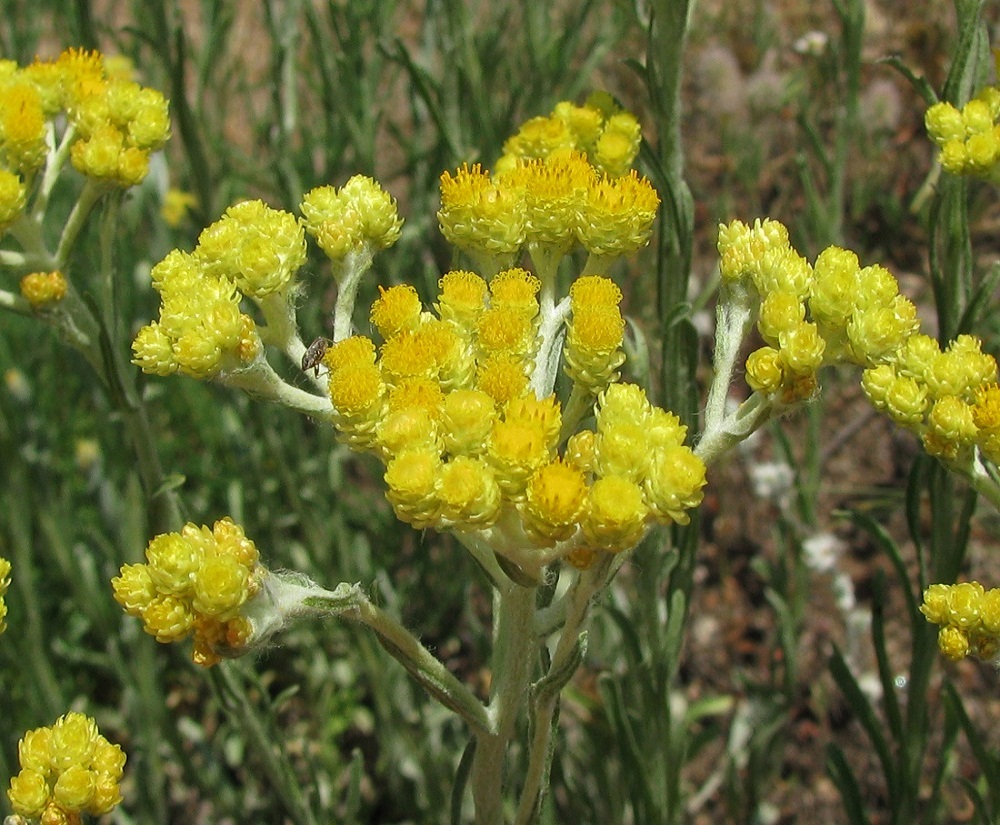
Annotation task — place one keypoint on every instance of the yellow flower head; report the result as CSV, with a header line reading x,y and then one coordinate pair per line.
x,y
502,377
584,122
176,204
608,136
66,770
581,450
22,126
193,582
462,299
517,446
594,292
396,309
593,346
617,214
674,483
553,502
596,332
960,370
616,514
618,144
969,618
944,123
357,392
906,401
765,371
41,289
201,330
878,332
782,269
258,248
467,416
421,352
969,138
540,137
515,290
468,493
622,447
779,311
411,478
82,76
505,331
357,350
954,643
951,428
552,190
343,220
834,290
380,222
13,197
742,248
408,429
986,412
118,122
479,214
801,348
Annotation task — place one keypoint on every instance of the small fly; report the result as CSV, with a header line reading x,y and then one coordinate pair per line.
x,y
312,358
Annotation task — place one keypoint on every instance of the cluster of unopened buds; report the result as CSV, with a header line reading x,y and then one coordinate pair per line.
x,y
968,616
67,770
194,583
968,138
836,311
810,315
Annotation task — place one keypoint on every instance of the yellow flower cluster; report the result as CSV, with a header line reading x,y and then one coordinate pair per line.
x,y
554,202
41,289
969,618
445,403
837,311
194,583
344,220
608,136
453,402
4,584
67,769
253,251
948,397
968,138
548,199
812,315
113,124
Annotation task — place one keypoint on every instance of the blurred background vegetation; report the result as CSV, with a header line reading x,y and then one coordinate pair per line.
x,y
787,112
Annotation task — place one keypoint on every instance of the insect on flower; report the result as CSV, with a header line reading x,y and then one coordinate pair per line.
x,y
312,358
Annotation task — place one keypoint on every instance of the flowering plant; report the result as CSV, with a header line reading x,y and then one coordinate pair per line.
x,y
505,408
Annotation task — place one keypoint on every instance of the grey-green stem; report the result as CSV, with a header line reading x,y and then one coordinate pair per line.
x,y
739,425
515,648
348,274
578,601
260,380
